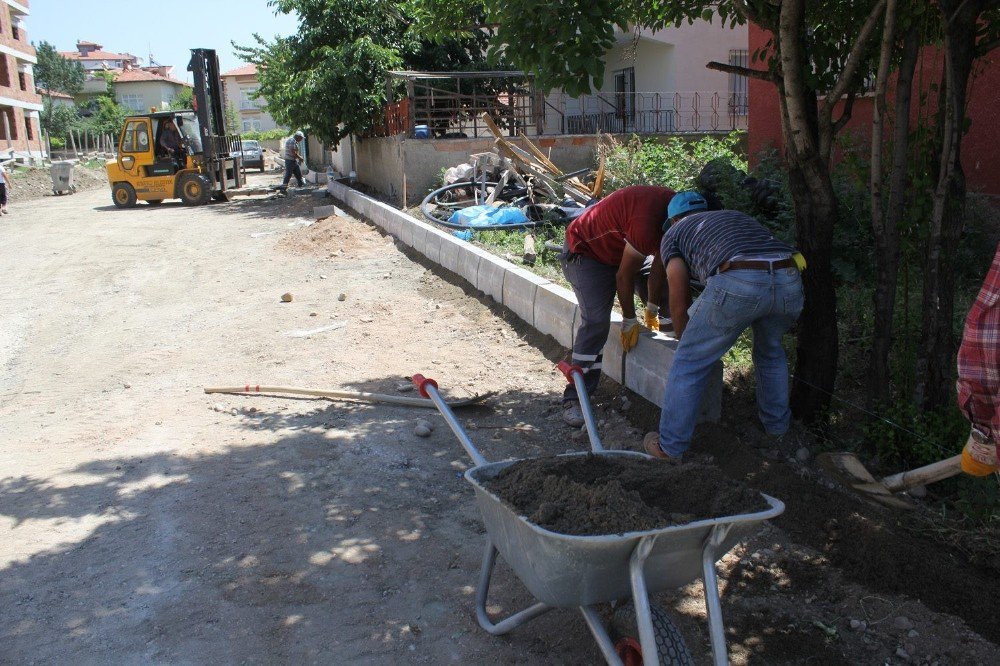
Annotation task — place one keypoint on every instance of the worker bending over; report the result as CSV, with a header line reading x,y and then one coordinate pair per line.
x,y
607,247
751,280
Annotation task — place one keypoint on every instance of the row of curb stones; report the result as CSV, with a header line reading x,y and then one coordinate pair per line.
x,y
549,308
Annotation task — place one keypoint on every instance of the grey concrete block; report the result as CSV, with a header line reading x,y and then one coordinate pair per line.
x,y
452,250
406,233
556,311
646,366
519,288
433,240
338,190
468,263
417,235
614,361
490,277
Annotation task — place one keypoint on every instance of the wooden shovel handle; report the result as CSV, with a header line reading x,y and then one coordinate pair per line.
x,y
920,476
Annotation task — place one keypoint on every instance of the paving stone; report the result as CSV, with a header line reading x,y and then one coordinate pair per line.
x,y
519,288
556,313
451,253
490,276
468,264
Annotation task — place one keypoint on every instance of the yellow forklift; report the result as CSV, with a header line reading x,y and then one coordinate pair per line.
x,y
198,163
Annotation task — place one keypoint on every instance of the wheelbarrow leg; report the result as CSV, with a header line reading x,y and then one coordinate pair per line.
x,y
640,597
716,627
593,620
507,624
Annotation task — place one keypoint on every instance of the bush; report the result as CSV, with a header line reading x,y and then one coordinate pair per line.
x,y
271,134
674,163
58,143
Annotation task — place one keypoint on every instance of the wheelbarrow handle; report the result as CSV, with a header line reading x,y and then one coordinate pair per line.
x,y
574,375
429,389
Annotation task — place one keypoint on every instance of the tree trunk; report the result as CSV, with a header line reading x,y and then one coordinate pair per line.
x,y
934,386
886,220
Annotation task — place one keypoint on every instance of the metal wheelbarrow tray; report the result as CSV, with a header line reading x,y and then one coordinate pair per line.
x,y
565,571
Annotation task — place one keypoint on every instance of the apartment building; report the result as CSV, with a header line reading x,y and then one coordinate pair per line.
x,y
239,86
20,104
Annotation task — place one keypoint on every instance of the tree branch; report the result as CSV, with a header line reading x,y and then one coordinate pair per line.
x,y
748,13
845,117
853,59
761,74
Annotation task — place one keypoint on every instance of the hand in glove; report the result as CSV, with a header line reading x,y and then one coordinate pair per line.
x,y
630,334
651,318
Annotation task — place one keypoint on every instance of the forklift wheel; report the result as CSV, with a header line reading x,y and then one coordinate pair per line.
x,y
123,195
194,189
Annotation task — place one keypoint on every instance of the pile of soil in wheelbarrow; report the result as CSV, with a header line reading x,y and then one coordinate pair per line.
x,y
593,495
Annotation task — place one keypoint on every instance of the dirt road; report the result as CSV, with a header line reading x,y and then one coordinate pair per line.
x,y
142,521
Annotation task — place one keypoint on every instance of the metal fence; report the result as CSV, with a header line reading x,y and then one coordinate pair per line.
x,y
449,105
646,112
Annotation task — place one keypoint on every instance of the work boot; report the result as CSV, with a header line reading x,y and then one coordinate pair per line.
x,y
573,415
651,443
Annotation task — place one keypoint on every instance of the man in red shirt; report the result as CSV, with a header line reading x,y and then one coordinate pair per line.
x,y
979,376
607,247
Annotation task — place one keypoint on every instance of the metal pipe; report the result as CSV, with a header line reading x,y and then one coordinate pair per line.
x,y
593,620
574,373
428,389
483,590
716,627
640,597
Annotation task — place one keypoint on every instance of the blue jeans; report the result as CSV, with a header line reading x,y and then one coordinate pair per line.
x,y
769,303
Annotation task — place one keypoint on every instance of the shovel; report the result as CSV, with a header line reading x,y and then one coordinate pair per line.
x,y
851,473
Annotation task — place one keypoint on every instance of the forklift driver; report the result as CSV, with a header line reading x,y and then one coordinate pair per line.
x,y
170,142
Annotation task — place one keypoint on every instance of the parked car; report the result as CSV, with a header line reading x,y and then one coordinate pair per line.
x,y
253,154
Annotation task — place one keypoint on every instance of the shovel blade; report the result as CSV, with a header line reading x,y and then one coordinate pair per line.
x,y
846,469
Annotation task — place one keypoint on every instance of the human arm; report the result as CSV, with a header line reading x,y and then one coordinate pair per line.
x,y
678,279
655,285
631,263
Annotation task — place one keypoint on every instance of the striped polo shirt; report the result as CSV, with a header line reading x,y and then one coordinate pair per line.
x,y
708,239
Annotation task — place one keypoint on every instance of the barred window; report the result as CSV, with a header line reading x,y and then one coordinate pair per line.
x,y
739,98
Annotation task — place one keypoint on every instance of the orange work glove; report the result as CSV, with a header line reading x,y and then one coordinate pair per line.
x,y
651,318
630,334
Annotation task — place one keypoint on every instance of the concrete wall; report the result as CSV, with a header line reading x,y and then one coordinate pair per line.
x,y
152,94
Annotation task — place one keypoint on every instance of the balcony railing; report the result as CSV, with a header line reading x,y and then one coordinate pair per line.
x,y
646,113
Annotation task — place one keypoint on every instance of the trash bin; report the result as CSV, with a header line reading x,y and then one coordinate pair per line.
x,y
62,177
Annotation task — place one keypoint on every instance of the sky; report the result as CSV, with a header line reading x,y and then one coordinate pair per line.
x,y
168,30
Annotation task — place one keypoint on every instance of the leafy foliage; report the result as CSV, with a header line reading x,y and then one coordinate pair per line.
x,y
183,100
674,162
108,117
271,134
332,76
53,72
58,119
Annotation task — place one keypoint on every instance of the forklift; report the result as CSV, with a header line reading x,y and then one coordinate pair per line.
x,y
197,163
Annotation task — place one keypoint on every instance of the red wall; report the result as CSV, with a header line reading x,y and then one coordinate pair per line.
x,y
980,147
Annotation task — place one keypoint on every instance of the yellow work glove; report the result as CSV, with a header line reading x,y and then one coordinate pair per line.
x,y
651,318
630,334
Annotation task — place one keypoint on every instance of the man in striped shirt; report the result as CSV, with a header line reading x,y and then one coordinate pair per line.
x,y
751,281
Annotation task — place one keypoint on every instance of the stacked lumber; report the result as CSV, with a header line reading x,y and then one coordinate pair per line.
x,y
531,163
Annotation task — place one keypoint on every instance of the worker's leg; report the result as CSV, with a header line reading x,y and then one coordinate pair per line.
x,y
769,360
729,304
288,171
298,173
594,286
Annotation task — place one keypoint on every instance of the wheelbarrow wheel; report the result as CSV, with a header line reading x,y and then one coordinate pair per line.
x,y
669,642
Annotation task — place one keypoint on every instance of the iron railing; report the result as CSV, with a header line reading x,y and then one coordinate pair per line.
x,y
646,113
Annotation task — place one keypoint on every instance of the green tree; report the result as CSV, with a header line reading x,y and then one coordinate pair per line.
x,y
59,119
332,75
183,100
232,119
53,72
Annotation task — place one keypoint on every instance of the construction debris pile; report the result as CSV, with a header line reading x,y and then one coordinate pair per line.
x,y
514,186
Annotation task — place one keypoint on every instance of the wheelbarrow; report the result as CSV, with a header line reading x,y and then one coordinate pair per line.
x,y
566,571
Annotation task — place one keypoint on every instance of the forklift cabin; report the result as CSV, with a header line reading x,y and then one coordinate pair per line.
x,y
200,162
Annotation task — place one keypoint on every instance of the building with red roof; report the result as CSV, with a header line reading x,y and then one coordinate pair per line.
x,y
239,86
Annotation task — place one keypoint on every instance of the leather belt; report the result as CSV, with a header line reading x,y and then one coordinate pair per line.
x,y
756,265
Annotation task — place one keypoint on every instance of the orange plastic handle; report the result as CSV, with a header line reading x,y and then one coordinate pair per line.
x,y
567,370
422,383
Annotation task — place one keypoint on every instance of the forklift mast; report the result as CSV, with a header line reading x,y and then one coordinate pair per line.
x,y
208,107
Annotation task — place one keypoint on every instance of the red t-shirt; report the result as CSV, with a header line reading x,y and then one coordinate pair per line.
x,y
633,214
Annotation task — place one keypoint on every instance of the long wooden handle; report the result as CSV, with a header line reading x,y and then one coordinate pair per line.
x,y
943,469
360,396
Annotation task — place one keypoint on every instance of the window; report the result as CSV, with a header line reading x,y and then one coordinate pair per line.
x,y
28,131
132,101
7,123
22,80
4,71
251,125
739,98
247,102
136,139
